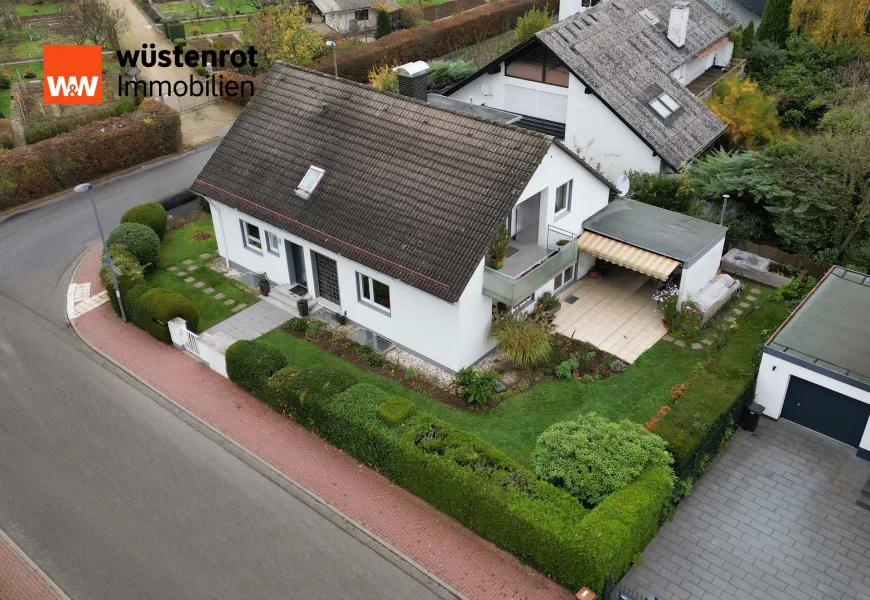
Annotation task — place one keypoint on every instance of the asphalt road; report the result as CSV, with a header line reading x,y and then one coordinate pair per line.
x,y
113,494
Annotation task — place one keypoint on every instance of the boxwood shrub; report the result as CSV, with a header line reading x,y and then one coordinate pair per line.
x,y
303,394
140,240
153,215
396,411
131,275
251,363
158,306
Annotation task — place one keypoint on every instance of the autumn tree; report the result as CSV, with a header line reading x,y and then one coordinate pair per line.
x,y
532,22
829,22
279,33
750,114
775,22
97,22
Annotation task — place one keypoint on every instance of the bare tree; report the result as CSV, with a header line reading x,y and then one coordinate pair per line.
x,y
196,9
97,22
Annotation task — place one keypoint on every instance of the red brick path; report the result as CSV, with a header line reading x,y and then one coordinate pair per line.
x,y
475,567
19,580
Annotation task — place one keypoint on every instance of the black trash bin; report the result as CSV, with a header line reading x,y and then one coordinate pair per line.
x,y
753,413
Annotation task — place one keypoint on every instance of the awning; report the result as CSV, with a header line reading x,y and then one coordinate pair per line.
x,y
627,256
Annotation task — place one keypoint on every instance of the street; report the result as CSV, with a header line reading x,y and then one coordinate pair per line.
x,y
108,490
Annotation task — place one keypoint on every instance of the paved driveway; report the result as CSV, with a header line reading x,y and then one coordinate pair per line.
x,y
774,517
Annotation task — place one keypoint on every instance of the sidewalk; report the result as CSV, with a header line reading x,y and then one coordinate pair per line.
x,y
468,563
20,579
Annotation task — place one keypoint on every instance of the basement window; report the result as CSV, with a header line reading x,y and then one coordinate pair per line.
x,y
309,182
664,106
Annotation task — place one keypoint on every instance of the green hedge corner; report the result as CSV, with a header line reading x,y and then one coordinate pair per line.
x,y
396,411
140,240
250,364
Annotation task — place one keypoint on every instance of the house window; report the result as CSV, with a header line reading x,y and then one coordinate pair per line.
x,y
251,236
372,291
272,243
563,198
664,106
563,278
538,63
362,15
309,182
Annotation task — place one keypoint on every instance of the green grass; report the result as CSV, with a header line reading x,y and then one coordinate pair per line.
x,y
243,7
216,25
35,65
25,10
5,103
179,245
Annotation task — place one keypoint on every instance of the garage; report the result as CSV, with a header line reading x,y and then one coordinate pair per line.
x,y
815,370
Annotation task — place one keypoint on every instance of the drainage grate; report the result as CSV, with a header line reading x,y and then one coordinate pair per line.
x,y
376,342
571,299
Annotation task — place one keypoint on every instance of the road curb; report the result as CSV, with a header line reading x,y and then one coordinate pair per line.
x,y
33,565
198,423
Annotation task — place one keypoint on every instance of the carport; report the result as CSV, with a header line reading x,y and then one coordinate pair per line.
x,y
815,370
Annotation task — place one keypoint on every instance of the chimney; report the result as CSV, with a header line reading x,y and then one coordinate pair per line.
x,y
412,79
678,24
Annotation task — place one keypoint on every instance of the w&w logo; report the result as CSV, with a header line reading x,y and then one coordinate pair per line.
x,y
72,75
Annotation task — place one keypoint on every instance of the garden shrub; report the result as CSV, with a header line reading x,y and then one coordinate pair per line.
x,y
794,291
36,132
566,368
153,215
158,306
131,275
396,411
140,240
477,387
133,303
7,139
303,394
592,457
244,95
533,21
250,364
297,324
522,340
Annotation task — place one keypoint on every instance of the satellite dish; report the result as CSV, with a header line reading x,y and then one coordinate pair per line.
x,y
622,184
486,89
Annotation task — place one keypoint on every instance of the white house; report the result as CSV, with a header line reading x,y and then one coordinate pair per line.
x,y
384,206
351,16
815,370
611,81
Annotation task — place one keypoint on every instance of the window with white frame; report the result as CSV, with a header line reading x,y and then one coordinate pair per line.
x,y
563,198
251,236
273,243
564,277
309,182
372,291
664,106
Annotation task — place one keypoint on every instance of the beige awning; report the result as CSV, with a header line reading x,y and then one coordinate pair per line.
x,y
648,263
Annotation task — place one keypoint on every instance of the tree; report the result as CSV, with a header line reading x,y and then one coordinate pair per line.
x,y
384,26
278,33
775,21
829,22
533,21
196,9
750,114
384,78
97,22
749,36
669,191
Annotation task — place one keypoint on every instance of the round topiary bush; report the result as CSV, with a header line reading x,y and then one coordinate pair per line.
x,y
592,457
140,240
250,364
153,215
158,306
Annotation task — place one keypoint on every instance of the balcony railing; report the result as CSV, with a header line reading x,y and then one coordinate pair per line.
x,y
702,87
512,290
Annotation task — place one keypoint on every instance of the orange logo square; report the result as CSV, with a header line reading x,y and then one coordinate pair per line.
x,y
72,75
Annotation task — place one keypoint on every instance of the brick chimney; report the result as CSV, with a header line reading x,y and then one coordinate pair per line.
x,y
678,24
412,79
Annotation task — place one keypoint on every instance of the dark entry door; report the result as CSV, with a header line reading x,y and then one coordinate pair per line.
x,y
296,260
327,278
823,410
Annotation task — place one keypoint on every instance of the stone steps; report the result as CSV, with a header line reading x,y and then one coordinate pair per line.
x,y
282,298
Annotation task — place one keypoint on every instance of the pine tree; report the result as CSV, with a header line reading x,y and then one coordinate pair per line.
x,y
749,36
384,26
775,22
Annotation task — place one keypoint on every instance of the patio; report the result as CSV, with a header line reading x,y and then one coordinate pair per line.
x,y
616,312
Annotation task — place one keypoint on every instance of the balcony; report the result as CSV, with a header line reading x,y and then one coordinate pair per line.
x,y
529,267
702,87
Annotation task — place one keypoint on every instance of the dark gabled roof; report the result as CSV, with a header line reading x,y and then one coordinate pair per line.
x,y
830,330
330,6
411,190
655,229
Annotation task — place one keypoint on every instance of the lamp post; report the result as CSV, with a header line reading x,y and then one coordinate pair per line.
x,y
724,205
87,187
331,44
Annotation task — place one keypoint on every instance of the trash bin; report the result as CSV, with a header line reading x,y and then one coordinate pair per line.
x,y
753,413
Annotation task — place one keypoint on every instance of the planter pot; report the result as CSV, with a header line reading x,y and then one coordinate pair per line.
x,y
29,76
302,307
593,274
265,287
495,263
665,325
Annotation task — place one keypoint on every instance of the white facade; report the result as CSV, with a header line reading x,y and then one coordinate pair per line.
x,y
718,55
774,376
701,271
346,21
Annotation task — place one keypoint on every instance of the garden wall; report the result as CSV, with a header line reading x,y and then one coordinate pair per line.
x,y
815,268
88,153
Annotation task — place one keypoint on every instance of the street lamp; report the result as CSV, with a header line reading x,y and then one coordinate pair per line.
x,y
331,44
113,270
724,205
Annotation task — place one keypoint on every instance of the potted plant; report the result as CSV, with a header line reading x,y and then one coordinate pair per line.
x,y
667,301
562,242
547,305
29,74
302,306
498,249
263,282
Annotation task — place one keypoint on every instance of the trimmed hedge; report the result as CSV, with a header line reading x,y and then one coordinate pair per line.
x,y
38,131
396,411
140,240
152,215
88,153
7,138
432,40
131,276
303,394
251,363
158,306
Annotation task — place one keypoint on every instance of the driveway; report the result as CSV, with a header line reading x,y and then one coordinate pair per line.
x,y
774,517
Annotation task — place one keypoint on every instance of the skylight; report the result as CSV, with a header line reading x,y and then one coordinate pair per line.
x,y
309,182
650,18
664,105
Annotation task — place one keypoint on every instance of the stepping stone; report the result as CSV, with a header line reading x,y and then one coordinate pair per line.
x,y
668,338
755,291
192,268
696,346
730,319
752,298
189,279
708,342
208,290
680,343
239,307
220,295
230,302
172,268
744,305
205,255
737,311
198,284
181,273
187,261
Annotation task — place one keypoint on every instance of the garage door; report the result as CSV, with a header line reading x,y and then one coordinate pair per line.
x,y
825,411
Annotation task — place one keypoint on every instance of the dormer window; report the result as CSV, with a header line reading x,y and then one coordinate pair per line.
x,y
309,182
664,106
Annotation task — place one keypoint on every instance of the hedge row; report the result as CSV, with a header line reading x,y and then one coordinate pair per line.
x,y
7,138
472,481
36,132
431,40
88,153
443,10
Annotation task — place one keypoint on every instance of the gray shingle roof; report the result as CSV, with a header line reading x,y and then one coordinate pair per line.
x,y
411,190
621,56
330,6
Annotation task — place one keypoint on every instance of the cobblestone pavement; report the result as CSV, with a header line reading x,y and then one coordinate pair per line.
x,y
773,518
20,579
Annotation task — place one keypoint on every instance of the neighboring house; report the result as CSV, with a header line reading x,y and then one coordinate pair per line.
x,y
384,206
815,370
740,12
617,81
351,16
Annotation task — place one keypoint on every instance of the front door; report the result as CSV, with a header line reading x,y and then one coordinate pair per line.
x,y
296,264
326,271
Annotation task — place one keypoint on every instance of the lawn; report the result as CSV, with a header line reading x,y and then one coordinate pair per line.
x,y
188,243
36,65
25,10
216,25
5,103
